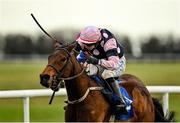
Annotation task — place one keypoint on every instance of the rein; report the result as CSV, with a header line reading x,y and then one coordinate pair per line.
x,y
59,78
61,72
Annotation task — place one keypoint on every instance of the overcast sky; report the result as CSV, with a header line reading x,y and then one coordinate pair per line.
x,y
132,17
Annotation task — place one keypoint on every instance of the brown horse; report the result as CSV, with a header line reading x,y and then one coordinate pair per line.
x,y
85,100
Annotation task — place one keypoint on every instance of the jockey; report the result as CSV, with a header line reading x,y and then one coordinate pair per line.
x,y
99,47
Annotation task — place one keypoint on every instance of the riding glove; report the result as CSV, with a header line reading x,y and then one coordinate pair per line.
x,y
92,60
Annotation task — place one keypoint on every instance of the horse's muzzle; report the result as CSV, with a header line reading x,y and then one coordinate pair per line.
x,y
44,78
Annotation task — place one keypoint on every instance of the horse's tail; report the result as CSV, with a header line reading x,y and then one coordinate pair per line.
x,y
159,114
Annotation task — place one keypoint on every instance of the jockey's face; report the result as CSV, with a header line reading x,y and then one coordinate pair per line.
x,y
90,46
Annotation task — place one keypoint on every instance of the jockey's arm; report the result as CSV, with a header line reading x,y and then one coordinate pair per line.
x,y
111,63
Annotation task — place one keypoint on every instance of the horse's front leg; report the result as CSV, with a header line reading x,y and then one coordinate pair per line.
x,y
90,114
70,114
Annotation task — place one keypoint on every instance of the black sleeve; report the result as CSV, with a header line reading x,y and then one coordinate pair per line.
x,y
111,52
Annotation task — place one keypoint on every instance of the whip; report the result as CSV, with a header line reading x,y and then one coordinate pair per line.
x,y
54,39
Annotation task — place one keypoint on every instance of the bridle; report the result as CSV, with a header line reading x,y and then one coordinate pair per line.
x,y
61,71
59,78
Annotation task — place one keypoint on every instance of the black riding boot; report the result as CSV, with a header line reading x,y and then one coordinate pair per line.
x,y
121,107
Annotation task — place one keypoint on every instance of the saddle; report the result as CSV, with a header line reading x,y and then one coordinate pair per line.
x,y
113,99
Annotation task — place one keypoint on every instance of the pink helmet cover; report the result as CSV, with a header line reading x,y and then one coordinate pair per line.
x,y
89,35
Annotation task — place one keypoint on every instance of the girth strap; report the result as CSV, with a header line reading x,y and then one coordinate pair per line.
x,y
85,95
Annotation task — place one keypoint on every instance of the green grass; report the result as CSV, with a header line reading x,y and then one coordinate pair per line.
x,y
20,75
11,110
25,75
156,73
41,111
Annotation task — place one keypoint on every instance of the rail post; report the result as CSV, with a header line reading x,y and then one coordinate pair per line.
x,y
26,109
165,103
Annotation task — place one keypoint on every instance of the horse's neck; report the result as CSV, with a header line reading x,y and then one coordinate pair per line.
x,y
77,87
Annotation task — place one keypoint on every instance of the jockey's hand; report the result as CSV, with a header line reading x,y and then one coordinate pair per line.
x,y
92,60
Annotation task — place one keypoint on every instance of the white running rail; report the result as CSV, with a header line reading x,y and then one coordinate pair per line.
x,y
27,94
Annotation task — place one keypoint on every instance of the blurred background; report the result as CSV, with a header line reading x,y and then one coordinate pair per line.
x,y
149,30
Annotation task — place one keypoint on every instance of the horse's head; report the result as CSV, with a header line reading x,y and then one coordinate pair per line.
x,y
59,65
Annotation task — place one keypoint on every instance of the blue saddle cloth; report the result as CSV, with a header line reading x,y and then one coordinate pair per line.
x,y
115,99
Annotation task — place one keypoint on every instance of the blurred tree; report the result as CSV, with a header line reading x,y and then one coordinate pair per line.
x,y
152,46
1,43
18,44
124,41
65,35
169,46
126,44
176,47
44,45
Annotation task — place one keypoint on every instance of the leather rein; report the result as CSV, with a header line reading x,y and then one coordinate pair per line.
x,y
60,73
59,78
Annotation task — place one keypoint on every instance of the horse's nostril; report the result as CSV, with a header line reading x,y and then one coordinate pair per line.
x,y
44,79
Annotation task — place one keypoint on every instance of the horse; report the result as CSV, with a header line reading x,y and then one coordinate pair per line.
x,y
86,103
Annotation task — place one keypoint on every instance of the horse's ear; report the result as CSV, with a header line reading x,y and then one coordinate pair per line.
x,y
70,47
57,45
